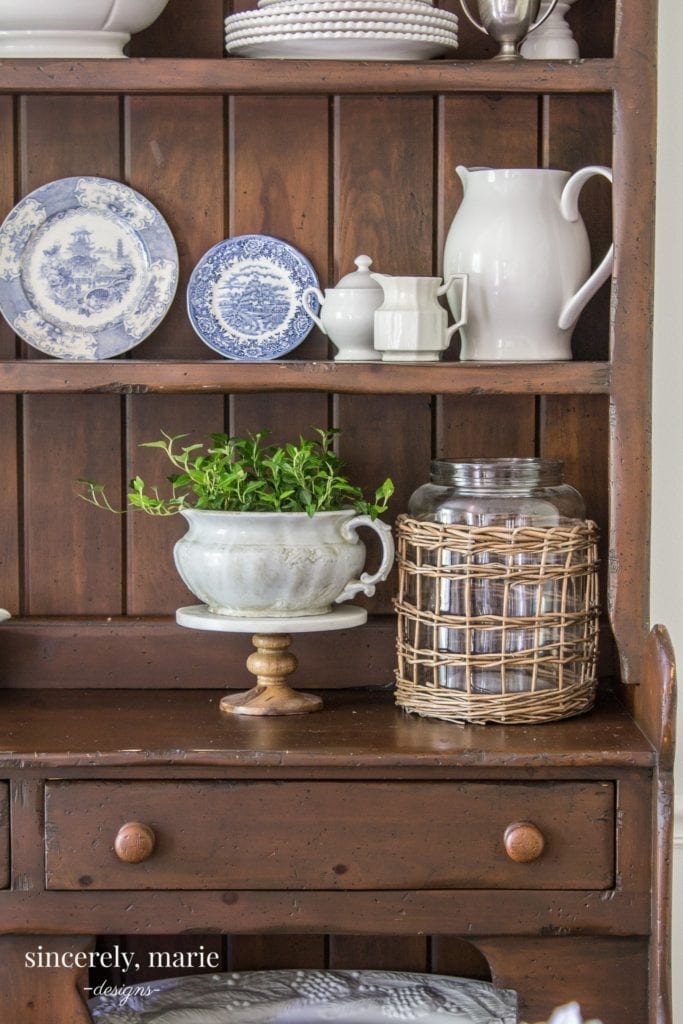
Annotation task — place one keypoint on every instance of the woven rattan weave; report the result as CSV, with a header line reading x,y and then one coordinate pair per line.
x,y
497,624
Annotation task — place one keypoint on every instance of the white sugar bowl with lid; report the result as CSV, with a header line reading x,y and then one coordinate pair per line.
x,y
347,313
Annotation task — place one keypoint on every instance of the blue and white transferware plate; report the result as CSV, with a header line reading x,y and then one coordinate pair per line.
x,y
88,268
244,297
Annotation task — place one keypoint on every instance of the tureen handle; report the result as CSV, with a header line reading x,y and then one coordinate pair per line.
x,y
366,583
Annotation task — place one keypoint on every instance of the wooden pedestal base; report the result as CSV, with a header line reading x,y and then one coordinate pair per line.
x,y
271,663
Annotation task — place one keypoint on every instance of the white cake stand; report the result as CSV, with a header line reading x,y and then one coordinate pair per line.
x,y
271,662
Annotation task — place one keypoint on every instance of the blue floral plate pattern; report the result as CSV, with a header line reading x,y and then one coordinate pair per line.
x,y
244,298
88,268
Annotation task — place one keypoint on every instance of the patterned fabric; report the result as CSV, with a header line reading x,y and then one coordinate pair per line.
x,y
307,997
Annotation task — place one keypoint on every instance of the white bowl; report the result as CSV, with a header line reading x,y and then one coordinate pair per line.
x,y
72,28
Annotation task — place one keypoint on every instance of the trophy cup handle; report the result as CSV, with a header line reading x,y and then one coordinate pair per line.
x,y
463,4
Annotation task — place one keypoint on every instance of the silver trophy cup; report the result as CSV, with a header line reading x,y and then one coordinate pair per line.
x,y
508,22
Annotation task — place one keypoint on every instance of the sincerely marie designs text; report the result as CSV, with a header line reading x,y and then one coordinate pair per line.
x,y
117,958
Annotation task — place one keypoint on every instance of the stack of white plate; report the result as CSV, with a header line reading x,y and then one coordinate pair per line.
x,y
358,30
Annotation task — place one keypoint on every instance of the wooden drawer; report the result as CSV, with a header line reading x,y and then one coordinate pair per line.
x,y
4,835
329,835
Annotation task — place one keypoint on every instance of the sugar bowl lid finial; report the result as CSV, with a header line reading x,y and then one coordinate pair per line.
x,y
359,278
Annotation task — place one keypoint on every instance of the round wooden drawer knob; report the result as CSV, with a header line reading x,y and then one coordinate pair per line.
x,y
524,842
134,842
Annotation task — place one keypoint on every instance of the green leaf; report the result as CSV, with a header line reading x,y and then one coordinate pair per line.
x,y
243,473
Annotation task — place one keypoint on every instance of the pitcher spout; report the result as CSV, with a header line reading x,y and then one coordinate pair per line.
x,y
464,175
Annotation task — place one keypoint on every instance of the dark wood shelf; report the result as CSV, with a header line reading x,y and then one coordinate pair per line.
x,y
44,376
70,729
237,75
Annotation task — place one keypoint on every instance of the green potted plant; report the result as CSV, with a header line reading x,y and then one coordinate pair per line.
x,y
272,528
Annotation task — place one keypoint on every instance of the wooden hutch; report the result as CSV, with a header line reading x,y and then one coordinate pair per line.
x,y
358,836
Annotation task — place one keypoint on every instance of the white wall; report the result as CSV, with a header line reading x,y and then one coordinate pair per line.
x,y
667,552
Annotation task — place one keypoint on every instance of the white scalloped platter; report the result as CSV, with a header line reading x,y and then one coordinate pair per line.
x,y
358,12
341,46
352,23
348,4
306,27
440,38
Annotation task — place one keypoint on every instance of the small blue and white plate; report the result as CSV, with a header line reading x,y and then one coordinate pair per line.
x,y
88,268
244,297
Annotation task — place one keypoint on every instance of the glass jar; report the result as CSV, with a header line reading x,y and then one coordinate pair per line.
x,y
499,593
497,492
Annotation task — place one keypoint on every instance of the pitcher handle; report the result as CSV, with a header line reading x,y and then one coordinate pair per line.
x,y
569,206
463,4
366,583
309,293
551,7
4,615
464,281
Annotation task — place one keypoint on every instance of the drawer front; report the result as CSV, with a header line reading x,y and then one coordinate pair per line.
x,y
4,835
327,835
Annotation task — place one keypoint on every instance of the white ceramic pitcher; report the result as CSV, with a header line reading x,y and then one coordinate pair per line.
x,y
411,324
4,615
519,236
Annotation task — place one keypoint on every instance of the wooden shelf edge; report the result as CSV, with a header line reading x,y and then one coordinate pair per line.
x,y
356,728
236,75
499,912
37,376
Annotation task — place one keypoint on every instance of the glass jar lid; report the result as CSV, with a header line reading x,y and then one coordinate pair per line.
x,y
492,475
